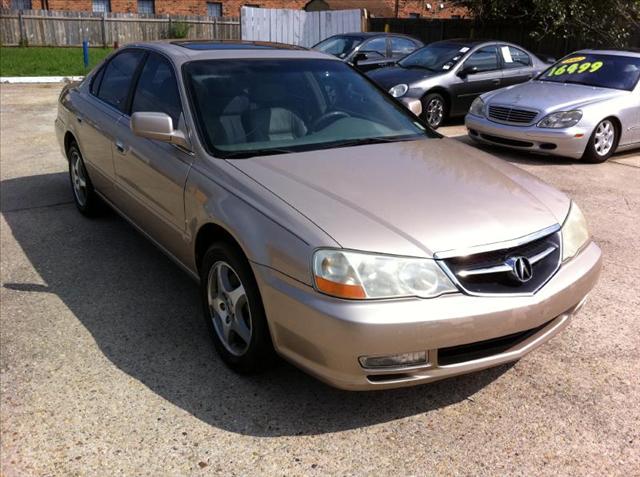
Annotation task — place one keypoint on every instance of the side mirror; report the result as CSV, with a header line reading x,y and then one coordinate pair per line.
x,y
361,56
467,70
413,105
158,126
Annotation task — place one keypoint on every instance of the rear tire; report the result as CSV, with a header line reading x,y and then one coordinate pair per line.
x,y
602,143
434,110
233,310
84,195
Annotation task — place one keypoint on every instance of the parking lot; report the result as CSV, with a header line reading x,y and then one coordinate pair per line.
x,y
106,366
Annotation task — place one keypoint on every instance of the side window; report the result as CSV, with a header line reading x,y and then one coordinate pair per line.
x,y
114,88
157,89
377,46
514,57
401,46
485,59
95,82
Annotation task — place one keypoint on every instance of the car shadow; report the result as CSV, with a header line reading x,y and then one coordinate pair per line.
x,y
145,317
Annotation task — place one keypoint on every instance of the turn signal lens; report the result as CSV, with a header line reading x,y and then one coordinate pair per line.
x,y
394,360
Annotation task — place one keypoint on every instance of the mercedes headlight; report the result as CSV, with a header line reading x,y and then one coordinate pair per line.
x,y
399,90
561,119
358,275
574,232
477,107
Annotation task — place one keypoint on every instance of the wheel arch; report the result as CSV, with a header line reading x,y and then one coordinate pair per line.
x,y
442,91
69,139
209,233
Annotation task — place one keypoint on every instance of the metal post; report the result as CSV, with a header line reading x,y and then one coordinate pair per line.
x,y
104,29
85,53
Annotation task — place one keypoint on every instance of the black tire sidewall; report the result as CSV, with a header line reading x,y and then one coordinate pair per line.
x,y
91,206
590,155
260,354
425,102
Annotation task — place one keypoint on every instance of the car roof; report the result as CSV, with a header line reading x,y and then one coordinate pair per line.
x,y
182,51
633,52
371,34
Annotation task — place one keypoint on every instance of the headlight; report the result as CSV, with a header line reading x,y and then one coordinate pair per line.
x,y
561,119
358,275
399,90
477,107
574,232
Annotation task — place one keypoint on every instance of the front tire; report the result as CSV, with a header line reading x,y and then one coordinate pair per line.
x,y
434,110
233,310
84,195
602,143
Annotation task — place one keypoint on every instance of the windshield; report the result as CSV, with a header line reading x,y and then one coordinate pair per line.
x,y
603,71
339,46
252,107
435,57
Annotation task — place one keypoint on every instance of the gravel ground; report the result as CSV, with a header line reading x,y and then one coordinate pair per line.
x,y
106,367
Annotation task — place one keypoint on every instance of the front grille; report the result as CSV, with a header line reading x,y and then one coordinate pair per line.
x,y
484,349
493,272
510,115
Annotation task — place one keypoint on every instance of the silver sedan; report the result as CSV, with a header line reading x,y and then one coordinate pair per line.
x,y
586,106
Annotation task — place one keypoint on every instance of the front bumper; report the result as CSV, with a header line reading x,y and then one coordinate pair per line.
x,y
326,336
558,142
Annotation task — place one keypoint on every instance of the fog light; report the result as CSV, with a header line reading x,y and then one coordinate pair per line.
x,y
394,360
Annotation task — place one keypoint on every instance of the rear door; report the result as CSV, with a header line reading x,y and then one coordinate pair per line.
x,y
517,65
99,113
487,77
152,173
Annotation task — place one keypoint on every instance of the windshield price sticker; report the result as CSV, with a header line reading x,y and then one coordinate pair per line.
x,y
574,59
574,67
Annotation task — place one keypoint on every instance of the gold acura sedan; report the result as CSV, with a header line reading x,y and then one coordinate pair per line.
x,y
324,222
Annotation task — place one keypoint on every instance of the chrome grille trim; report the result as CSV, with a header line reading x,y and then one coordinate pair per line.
x,y
504,267
509,115
499,286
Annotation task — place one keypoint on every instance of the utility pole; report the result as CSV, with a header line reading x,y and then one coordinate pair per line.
x,y
397,8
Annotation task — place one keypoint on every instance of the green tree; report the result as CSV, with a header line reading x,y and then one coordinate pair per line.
x,y
604,23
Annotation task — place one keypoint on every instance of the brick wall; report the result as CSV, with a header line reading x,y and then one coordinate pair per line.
x,y
232,7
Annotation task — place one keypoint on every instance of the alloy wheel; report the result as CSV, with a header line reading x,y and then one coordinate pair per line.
x,y
604,137
435,112
229,308
78,178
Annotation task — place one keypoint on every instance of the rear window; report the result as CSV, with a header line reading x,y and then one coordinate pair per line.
x,y
603,71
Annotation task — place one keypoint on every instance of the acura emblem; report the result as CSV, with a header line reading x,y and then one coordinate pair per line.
x,y
521,269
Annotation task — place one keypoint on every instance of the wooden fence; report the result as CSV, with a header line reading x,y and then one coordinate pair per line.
x,y
62,28
297,27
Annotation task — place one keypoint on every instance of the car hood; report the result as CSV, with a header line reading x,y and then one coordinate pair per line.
x,y
389,77
410,198
547,96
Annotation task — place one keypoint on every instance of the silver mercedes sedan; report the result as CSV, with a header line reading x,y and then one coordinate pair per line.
x,y
586,106
322,220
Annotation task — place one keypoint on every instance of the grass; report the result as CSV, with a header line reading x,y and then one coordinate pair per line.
x,y
47,61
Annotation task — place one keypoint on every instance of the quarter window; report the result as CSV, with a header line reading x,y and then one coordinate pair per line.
x,y
157,89
114,88
485,59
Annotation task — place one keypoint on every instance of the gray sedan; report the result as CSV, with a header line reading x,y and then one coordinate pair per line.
x,y
448,75
586,106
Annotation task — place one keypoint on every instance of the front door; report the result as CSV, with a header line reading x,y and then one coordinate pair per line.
x,y
153,173
486,76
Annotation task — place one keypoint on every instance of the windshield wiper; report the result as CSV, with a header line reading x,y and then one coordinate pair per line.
x,y
365,141
256,152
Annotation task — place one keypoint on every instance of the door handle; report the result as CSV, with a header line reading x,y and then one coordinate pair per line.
x,y
496,81
79,119
120,147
